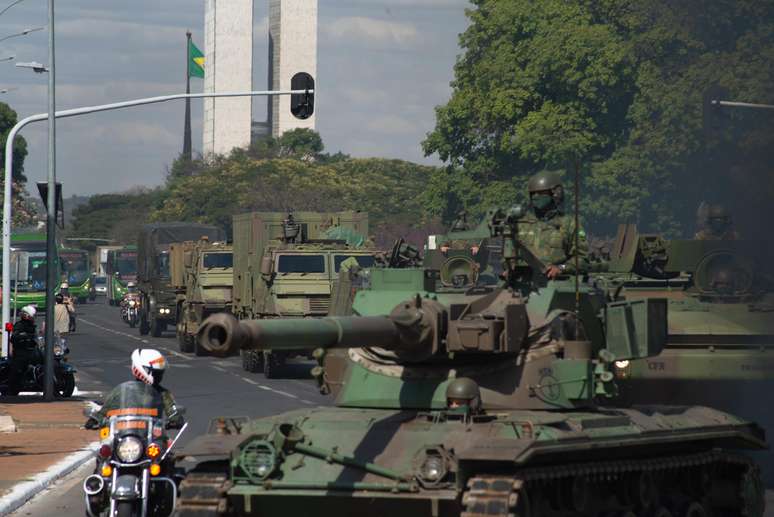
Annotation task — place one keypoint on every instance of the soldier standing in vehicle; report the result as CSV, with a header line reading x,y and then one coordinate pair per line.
x,y
717,225
547,231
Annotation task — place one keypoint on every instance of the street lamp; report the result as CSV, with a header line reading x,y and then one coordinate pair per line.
x,y
9,58
22,33
38,68
10,5
6,90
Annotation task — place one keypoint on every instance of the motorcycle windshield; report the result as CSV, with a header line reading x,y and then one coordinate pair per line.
x,y
134,398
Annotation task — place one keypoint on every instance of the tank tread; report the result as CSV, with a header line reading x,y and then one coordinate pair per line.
x,y
202,494
508,496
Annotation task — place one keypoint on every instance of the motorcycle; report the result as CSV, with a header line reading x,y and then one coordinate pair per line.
x,y
135,474
130,310
34,378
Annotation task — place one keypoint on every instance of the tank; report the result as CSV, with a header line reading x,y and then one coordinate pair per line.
x,y
532,437
720,342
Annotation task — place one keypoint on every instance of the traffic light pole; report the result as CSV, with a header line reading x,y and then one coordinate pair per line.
x,y
7,190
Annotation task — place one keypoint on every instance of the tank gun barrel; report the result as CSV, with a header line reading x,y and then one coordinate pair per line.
x,y
408,330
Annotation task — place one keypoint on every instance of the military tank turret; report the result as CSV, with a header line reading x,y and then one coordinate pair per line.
x,y
460,398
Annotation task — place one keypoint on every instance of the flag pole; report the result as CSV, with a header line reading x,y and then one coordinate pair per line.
x,y
187,128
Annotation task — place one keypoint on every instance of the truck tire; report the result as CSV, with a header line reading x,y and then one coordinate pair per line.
x,y
144,327
272,364
156,327
184,341
252,361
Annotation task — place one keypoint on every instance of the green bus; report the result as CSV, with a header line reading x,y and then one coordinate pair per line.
x,y
76,271
28,270
121,268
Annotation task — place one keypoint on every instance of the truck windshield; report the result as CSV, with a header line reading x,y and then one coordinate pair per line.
x,y
301,264
218,260
365,261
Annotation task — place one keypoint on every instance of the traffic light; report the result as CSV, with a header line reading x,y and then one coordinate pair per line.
x,y
302,104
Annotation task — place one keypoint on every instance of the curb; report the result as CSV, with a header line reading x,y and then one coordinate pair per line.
x,y
7,424
23,492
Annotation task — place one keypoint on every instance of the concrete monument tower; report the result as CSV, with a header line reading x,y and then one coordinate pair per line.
x,y
292,50
228,43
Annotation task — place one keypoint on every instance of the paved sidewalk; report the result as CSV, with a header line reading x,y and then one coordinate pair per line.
x,y
46,433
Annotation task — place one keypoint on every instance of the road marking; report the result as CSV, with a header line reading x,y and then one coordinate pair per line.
x,y
118,333
250,381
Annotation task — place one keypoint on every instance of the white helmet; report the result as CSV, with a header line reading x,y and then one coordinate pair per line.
x,y
29,310
148,365
64,285
131,284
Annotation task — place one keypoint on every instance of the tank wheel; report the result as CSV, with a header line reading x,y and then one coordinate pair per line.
x,y
202,494
751,493
272,364
488,496
252,361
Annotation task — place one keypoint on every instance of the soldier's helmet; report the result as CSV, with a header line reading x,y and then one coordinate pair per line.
x,y
718,217
463,392
547,181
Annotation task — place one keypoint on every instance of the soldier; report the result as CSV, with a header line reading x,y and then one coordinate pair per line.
x,y
462,394
547,231
718,226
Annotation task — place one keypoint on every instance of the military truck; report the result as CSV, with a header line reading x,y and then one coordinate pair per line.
x,y
202,273
158,297
285,267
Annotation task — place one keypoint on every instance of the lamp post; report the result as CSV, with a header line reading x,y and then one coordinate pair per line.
x,y
6,90
10,5
51,251
22,33
36,67
9,58
7,193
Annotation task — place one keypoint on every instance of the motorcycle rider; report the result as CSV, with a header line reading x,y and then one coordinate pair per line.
x,y
145,391
25,346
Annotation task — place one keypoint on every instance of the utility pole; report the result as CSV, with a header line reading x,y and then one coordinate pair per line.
x,y
51,251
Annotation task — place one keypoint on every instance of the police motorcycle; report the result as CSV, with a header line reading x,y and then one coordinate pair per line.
x,y
33,379
134,474
130,306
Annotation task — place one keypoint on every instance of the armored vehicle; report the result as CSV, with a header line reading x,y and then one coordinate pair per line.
x,y
285,267
720,344
455,398
202,273
157,295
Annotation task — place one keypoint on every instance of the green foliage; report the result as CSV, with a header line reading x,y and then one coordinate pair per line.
x,y
389,190
617,87
8,119
117,217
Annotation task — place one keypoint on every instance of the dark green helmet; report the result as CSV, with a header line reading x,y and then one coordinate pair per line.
x,y
544,180
464,389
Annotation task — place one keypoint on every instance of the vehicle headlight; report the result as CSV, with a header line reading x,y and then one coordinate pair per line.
x,y
433,469
58,350
622,369
258,459
129,449
132,303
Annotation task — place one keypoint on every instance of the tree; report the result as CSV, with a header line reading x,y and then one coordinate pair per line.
x,y
616,86
8,119
117,217
302,143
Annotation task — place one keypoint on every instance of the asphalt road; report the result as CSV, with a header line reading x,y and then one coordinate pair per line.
x,y
207,387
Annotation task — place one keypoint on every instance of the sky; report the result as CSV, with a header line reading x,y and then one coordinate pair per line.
x,y
383,66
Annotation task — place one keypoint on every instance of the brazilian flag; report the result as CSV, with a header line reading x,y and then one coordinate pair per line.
x,y
195,61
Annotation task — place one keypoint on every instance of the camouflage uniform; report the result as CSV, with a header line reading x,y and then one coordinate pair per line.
x,y
549,233
552,240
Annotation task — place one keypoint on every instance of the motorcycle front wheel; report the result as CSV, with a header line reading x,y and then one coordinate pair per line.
x,y
67,386
127,509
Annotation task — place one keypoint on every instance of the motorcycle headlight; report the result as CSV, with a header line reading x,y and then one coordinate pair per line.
x,y
129,449
58,350
132,303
